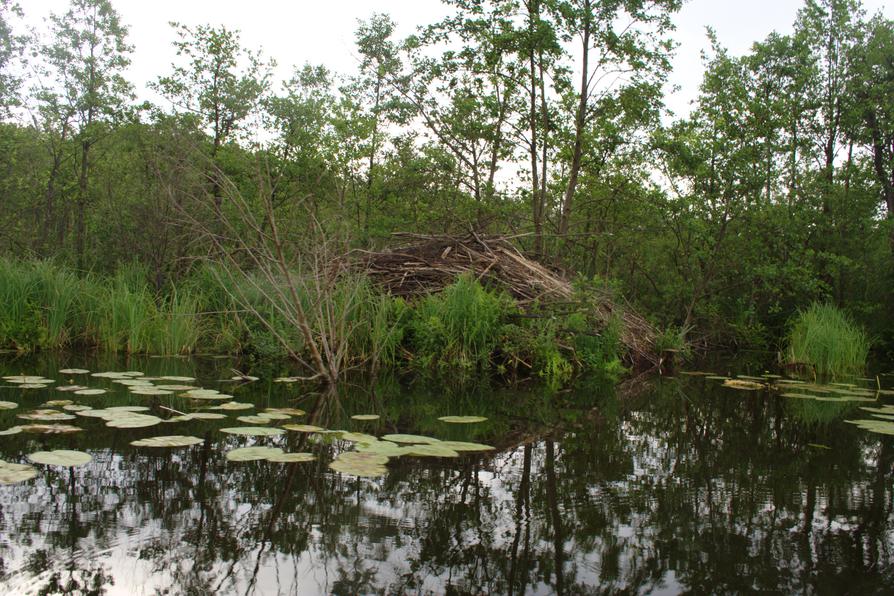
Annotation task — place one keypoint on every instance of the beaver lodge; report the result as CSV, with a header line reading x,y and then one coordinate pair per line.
x,y
427,264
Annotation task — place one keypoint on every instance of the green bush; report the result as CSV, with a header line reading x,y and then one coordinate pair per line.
x,y
825,338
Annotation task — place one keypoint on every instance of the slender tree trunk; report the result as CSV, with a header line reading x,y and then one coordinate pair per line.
x,y
80,215
536,203
579,122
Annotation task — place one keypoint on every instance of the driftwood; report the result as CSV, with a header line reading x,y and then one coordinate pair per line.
x,y
427,264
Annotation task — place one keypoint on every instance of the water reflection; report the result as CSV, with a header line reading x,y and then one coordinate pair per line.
x,y
677,486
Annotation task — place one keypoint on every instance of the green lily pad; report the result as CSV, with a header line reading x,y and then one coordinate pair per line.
x,y
133,382
58,403
253,420
27,379
176,379
75,408
462,419
364,417
176,387
398,438
8,405
253,431
32,386
273,416
50,429
74,371
90,391
363,457
61,457
205,416
246,378
133,420
464,446
740,384
127,409
71,388
168,441
354,468
882,427
232,405
15,473
437,450
46,416
252,453
383,448
12,430
287,411
151,391
304,428
358,437
291,458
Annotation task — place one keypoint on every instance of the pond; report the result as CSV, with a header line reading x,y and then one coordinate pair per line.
x,y
658,485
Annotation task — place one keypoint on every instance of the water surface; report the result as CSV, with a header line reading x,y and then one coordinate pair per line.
x,y
658,486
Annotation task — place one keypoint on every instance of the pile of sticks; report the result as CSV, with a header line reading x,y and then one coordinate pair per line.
x,y
427,264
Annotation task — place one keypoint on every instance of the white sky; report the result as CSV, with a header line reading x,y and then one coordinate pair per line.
x,y
322,32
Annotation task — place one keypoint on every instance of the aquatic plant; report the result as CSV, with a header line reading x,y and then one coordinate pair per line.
x,y
826,339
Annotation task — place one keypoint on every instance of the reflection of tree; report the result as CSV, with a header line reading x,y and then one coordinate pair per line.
x,y
679,486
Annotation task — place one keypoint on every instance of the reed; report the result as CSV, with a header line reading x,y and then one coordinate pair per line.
x,y
825,338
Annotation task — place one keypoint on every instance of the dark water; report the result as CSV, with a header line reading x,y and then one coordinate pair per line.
x,y
658,486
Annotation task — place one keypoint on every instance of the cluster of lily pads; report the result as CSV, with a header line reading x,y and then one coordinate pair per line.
x,y
882,420
368,459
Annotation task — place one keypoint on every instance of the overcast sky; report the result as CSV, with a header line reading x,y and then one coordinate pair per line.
x,y
321,32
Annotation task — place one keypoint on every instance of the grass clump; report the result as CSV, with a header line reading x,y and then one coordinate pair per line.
x,y
825,338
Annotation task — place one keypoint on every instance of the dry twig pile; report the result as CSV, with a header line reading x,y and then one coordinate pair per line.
x,y
427,264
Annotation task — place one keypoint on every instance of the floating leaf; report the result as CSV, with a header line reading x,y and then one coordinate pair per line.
x,y
57,403
464,446
363,457
127,409
133,420
285,380
383,448
462,419
436,450
61,457
291,458
176,387
252,453
253,420
8,405
818,446
151,391
133,382
287,411
74,371
398,438
50,429
46,415
90,391
32,386
14,473
109,375
364,417
71,388
12,430
168,441
76,408
232,405
358,437
205,416
304,428
177,379
273,416
354,468
27,379
746,385
253,431
246,378
875,426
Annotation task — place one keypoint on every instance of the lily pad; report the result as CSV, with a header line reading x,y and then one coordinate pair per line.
x,y
71,388
383,448
462,419
273,416
176,379
740,384
8,405
58,403
232,405
151,391
61,457
50,429
176,387
14,473
398,438
168,441
74,371
205,416
252,453
253,431
75,408
133,420
253,420
291,458
364,417
287,411
358,437
90,391
363,457
32,386
12,430
464,446
246,378
881,427
304,428
27,379
354,468
437,450
46,416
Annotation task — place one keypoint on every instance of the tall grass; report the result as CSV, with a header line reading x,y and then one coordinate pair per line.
x,y
825,338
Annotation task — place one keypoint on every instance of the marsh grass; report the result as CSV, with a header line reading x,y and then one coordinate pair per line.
x,y
825,338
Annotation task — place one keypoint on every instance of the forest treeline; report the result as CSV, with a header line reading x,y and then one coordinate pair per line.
x,y
540,119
